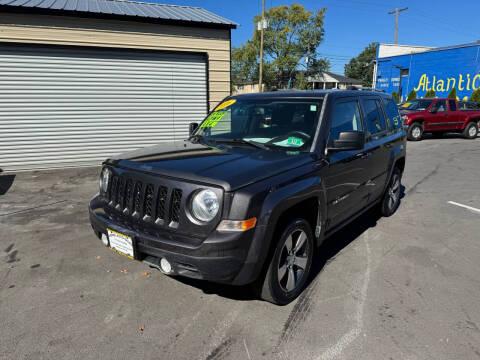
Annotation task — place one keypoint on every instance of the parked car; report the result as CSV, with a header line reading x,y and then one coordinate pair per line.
x,y
261,182
439,116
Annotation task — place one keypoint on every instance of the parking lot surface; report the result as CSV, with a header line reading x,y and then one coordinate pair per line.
x,y
404,287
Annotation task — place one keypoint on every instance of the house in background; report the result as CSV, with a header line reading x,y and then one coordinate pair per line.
x,y
246,88
328,80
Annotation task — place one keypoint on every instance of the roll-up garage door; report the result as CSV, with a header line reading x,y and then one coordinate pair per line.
x,y
66,106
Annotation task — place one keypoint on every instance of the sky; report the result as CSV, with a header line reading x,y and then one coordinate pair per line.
x,y
350,25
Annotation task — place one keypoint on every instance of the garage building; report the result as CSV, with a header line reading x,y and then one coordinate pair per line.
x,y
83,80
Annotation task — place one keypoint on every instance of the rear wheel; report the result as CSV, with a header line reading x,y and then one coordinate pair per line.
x,y
391,198
290,265
470,131
415,132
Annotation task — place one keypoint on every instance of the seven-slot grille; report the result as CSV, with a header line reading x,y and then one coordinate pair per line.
x,y
146,201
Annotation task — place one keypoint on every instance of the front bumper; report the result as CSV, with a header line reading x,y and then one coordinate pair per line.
x,y
221,257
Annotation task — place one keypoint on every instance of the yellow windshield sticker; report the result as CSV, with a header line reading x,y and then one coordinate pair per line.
x,y
406,105
213,119
225,104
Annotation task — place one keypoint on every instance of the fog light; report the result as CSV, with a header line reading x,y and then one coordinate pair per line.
x,y
165,266
105,239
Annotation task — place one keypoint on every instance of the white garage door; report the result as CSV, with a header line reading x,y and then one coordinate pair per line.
x,y
64,106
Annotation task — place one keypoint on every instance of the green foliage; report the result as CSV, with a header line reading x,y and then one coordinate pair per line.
x,y
301,82
361,67
412,95
430,93
475,95
395,96
452,94
293,34
245,63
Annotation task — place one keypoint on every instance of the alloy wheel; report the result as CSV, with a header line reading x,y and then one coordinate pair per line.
x,y
472,131
293,260
394,192
416,132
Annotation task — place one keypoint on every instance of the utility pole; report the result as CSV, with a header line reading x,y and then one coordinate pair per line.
x,y
396,20
262,26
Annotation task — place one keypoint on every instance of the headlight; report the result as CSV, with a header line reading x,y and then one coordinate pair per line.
x,y
205,205
104,180
404,118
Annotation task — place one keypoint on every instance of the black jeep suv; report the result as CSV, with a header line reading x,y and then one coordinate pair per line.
x,y
259,183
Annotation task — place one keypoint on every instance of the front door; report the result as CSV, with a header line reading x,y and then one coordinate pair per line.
x,y
347,174
438,118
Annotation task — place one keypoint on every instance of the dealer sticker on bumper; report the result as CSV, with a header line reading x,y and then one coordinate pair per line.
x,y
120,243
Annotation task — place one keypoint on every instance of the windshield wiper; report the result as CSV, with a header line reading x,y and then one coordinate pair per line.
x,y
242,141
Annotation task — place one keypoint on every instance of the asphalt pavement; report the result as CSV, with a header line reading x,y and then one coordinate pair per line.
x,y
404,287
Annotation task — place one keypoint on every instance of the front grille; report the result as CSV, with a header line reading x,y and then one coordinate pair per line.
x,y
175,206
161,202
147,208
152,203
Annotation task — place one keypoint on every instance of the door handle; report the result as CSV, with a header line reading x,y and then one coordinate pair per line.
x,y
364,155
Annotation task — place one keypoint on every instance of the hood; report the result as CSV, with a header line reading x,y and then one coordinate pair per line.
x,y
230,167
406,111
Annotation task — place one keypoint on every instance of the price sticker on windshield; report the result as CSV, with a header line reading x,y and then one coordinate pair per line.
x,y
213,119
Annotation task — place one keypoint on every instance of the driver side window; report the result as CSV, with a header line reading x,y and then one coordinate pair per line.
x,y
345,117
440,105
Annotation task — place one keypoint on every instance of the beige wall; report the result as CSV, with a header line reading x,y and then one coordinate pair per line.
x,y
45,29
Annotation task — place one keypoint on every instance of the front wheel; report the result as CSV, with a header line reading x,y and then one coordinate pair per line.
x,y
391,198
470,131
415,132
290,265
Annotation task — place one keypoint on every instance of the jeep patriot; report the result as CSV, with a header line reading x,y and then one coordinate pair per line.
x,y
261,182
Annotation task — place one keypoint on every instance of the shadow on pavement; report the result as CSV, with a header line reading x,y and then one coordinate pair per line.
x,y
328,250
6,182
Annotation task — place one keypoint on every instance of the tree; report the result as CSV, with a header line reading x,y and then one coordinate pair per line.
x,y
301,82
395,96
293,36
430,93
452,94
244,63
361,67
475,95
412,95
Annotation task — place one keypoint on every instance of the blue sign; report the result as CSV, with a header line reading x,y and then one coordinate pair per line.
x,y
440,70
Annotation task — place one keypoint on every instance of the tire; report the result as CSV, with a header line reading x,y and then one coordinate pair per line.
x,y
470,131
391,197
415,132
285,278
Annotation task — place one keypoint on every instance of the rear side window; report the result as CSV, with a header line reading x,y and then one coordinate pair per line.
x,y
452,105
374,120
391,110
346,117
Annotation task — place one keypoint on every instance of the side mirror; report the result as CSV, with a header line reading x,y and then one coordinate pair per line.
x,y
348,140
192,127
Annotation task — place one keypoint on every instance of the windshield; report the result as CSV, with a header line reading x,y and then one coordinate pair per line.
x,y
417,104
274,124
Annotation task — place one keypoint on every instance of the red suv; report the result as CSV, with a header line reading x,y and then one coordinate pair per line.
x,y
438,116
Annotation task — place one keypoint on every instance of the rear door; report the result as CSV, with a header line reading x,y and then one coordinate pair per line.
x,y
454,115
347,171
377,147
